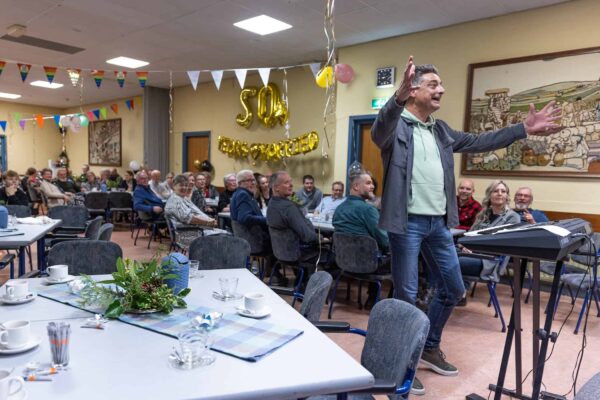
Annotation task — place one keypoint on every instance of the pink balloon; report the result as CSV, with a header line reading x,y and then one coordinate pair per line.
x,y
344,73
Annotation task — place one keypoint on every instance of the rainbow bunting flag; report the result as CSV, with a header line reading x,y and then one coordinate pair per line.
x,y
22,124
96,113
115,108
2,64
39,118
3,126
24,70
98,76
129,104
121,77
103,112
74,76
17,116
142,78
57,120
90,115
50,72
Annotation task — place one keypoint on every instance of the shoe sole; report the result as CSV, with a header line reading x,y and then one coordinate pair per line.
x,y
417,392
437,369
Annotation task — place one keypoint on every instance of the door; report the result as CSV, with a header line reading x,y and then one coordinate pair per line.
x,y
370,157
196,148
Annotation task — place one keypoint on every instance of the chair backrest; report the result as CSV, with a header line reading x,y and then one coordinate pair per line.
x,y
89,257
219,251
71,216
105,232
590,390
315,294
92,230
395,339
355,253
255,235
20,211
122,200
96,200
586,248
285,244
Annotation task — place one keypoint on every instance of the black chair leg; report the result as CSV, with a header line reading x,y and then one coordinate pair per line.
x,y
333,294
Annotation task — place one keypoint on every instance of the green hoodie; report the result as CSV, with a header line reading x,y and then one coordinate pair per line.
x,y
427,184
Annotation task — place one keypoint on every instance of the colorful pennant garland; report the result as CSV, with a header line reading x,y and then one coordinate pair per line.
x,y
3,126
98,76
74,75
115,108
96,113
90,115
17,116
142,78
121,75
2,64
50,73
129,104
22,124
103,112
57,120
24,70
39,118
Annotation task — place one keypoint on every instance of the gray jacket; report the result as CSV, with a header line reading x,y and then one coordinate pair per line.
x,y
284,214
393,136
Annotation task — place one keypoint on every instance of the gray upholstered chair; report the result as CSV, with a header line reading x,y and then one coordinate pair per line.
x,y
358,257
315,295
73,218
219,252
152,225
105,232
121,203
590,390
91,257
97,203
394,341
92,230
259,241
18,210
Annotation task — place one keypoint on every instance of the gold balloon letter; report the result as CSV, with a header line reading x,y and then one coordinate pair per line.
x,y
245,120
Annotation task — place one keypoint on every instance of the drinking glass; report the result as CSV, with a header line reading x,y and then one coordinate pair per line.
x,y
195,347
195,269
228,287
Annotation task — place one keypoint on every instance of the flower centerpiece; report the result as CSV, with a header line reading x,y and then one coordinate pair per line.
x,y
134,287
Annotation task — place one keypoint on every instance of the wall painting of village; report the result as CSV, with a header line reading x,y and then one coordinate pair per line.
x,y
499,95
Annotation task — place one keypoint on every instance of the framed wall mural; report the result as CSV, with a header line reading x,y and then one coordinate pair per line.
x,y
499,93
105,142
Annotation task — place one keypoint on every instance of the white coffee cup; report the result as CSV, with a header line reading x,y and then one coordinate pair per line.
x,y
17,289
6,383
14,334
58,272
254,302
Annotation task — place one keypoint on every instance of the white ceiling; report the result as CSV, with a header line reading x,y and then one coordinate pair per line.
x,y
181,35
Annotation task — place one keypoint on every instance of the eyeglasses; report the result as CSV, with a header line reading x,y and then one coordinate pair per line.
x,y
248,180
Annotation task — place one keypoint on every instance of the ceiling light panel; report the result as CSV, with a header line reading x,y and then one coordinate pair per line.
x,y
127,62
263,25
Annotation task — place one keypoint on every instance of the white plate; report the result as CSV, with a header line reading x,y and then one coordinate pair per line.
x,y
254,314
51,281
20,395
33,342
7,300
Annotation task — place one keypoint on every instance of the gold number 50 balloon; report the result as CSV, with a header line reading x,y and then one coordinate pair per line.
x,y
271,108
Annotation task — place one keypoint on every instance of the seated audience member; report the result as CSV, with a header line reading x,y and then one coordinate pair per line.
x,y
330,203
495,211
309,195
169,180
181,210
263,192
355,216
11,193
225,196
210,191
375,200
65,183
191,185
91,184
104,174
144,199
52,192
159,188
523,200
468,207
244,209
30,176
83,176
114,179
128,183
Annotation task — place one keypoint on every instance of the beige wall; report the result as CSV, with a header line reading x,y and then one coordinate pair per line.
x,y
32,146
132,135
562,27
210,110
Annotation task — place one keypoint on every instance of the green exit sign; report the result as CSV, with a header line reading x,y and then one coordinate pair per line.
x,y
378,103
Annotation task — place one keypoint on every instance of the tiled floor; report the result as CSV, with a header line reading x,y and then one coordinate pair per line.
x,y
472,340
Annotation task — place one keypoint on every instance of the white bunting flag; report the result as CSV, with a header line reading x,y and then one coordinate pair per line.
x,y
264,75
241,76
217,76
315,68
194,77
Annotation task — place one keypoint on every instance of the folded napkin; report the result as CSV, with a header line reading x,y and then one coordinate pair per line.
x,y
41,220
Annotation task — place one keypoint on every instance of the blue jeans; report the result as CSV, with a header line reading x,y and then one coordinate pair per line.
x,y
430,236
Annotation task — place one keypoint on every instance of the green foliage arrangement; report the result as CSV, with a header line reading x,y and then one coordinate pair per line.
x,y
135,287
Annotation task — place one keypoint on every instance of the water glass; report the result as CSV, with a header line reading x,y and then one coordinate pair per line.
x,y
228,287
195,347
195,269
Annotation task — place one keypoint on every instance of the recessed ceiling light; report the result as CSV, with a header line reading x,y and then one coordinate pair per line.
x,y
127,62
9,95
263,25
46,84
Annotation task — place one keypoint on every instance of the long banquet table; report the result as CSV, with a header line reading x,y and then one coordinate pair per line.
x,y
126,361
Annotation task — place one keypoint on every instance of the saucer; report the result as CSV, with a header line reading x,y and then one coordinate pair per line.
x,y
51,281
202,361
34,341
219,296
20,395
7,300
254,314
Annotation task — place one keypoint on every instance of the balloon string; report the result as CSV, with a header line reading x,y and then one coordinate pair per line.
x,y
330,86
170,103
286,102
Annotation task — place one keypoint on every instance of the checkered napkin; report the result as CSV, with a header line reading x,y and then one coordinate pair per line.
x,y
244,338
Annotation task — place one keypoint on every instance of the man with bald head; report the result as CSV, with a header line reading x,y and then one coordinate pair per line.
x,y
161,189
523,200
468,207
